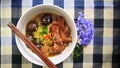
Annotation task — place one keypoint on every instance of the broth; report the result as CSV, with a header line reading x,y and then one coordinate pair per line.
x,y
49,32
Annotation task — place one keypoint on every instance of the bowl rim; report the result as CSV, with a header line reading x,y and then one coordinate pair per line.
x,y
17,38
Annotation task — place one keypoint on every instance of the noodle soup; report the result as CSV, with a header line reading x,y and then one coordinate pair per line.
x,y
49,32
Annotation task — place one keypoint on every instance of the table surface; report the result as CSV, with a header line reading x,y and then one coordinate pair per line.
x,y
102,52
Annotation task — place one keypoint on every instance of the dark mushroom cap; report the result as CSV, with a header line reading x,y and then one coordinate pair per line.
x,y
46,19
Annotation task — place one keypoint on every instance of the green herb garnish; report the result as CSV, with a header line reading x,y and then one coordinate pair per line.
x,y
44,30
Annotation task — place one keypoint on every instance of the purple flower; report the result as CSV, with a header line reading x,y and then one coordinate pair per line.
x,y
85,29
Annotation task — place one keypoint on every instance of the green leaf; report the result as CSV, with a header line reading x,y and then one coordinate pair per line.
x,y
77,51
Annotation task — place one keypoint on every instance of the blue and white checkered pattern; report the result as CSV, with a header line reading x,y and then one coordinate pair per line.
x,y
102,52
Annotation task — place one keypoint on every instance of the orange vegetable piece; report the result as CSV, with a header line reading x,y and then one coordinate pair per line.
x,y
47,36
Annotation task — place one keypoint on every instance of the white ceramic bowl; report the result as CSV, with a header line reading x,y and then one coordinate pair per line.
x,y
32,57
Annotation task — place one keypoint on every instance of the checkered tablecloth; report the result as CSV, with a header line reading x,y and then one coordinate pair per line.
x,y
102,52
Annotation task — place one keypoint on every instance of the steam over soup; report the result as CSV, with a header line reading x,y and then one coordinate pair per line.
x,y
49,32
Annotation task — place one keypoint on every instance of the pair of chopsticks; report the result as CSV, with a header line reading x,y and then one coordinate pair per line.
x,y
32,46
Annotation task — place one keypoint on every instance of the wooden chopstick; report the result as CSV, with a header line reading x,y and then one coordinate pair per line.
x,y
32,46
